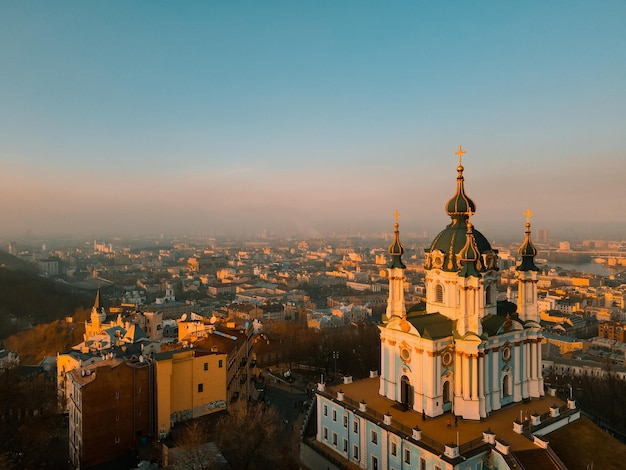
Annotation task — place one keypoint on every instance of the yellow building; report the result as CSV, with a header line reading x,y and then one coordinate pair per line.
x,y
189,383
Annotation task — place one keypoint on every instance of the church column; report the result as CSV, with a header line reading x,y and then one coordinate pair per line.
x,y
486,391
533,360
495,383
466,377
392,373
526,345
517,372
458,375
474,361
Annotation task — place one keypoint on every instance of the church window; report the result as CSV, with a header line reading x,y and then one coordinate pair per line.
x,y
345,421
220,363
422,463
117,416
355,427
374,437
439,293
335,439
200,388
394,449
345,445
407,456
325,433
355,452
206,366
117,439
505,386
325,410
335,416
488,295
117,394
374,463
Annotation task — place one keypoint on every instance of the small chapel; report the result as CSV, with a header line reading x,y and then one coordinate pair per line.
x,y
461,351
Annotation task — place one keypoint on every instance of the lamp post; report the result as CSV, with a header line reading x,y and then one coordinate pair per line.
x,y
335,357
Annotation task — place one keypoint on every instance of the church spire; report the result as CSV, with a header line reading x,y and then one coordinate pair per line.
x,y
469,256
396,250
527,251
460,205
395,302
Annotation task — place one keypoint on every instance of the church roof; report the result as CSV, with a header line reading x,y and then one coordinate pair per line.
x,y
451,241
527,251
431,325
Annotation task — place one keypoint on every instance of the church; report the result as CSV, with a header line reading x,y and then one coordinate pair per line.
x,y
464,352
460,357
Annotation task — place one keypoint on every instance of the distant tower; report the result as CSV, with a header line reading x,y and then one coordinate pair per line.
x,y
527,278
98,315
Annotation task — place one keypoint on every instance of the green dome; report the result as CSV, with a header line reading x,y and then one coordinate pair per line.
x,y
460,203
451,241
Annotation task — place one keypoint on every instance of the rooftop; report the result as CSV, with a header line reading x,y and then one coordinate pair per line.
x,y
435,431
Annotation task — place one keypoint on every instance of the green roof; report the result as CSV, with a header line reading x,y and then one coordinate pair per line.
x,y
432,325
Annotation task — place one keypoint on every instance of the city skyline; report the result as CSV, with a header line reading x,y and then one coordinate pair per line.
x,y
201,118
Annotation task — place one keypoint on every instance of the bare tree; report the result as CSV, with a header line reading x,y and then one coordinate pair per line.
x,y
252,437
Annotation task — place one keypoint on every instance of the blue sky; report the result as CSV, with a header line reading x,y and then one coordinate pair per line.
x,y
308,117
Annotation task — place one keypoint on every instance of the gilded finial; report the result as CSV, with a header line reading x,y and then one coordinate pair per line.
x,y
460,153
396,215
528,214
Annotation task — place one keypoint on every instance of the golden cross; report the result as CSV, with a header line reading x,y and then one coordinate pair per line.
x,y
528,214
460,153
396,215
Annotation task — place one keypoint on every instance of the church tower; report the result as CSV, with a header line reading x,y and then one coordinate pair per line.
x,y
97,317
395,274
527,278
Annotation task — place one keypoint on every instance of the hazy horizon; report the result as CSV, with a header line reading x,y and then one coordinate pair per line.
x,y
206,118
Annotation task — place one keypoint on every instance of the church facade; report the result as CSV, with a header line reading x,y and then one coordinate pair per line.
x,y
462,351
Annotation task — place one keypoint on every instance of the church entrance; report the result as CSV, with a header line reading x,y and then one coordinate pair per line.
x,y
447,399
406,397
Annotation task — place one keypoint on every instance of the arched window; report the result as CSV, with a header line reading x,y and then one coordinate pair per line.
x,y
488,295
439,293
506,391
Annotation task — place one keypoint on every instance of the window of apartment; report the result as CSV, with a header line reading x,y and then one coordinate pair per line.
x,y
345,445
479,466
355,452
355,426
407,456
374,463
200,388
220,363
206,366
335,416
422,463
325,410
335,439
394,449
374,437
345,421
325,433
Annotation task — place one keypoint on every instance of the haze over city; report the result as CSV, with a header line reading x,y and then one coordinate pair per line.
x,y
295,118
